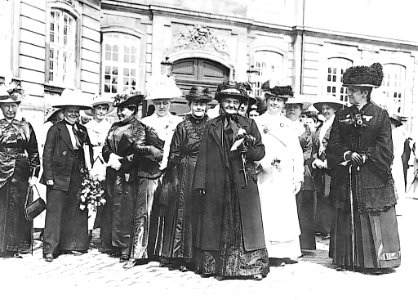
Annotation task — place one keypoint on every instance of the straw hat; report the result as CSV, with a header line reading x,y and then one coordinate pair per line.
x,y
101,100
299,99
73,98
330,100
162,87
50,112
364,76
4,95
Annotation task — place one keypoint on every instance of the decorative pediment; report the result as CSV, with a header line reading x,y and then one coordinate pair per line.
x,y
200,37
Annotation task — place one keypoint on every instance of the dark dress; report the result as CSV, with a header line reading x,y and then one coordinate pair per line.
x,y
178,242
19,159
121,186
229,233
375,226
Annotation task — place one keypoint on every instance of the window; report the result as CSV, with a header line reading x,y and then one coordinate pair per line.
x,y
62,45
269,64
335,71
393,86
120,59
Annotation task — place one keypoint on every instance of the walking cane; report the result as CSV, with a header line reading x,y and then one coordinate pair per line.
x,y
352,231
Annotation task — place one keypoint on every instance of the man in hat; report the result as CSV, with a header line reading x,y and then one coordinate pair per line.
x,y
230,236
63,171
360,155
328,106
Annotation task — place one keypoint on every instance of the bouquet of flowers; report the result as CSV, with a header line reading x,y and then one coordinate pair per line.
x,y
91,193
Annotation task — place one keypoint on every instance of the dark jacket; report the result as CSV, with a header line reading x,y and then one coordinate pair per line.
x,y
373,183
59,155
212,169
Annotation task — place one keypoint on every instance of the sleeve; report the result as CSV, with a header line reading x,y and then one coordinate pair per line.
x,y
298,160
107,150
33,153
175,146
49,148
256,151
381,155
336,148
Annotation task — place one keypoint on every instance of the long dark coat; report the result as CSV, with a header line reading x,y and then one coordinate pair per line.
x,y
210,174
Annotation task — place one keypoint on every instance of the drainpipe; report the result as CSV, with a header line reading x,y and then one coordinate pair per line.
x,y
302,49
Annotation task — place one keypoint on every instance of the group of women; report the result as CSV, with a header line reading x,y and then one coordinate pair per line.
x,y
226,196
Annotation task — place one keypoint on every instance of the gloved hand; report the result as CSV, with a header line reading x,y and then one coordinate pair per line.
x,y
155,152
114,161
32,180
357,159
318,164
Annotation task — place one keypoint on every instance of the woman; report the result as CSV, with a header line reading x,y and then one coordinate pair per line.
x,y
360,155
98,128
64,168
324,213
124,142
178,241
229,230
19,167
161,91
280,178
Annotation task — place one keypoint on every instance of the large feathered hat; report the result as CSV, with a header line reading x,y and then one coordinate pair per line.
x,y
200,94
232,89
282,91
128,97
12,93
364,76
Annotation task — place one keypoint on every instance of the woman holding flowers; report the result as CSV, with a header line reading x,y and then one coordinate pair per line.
x,y
280,178
19,167
360,156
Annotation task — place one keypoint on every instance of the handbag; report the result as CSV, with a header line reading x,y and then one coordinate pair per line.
x,y
33,208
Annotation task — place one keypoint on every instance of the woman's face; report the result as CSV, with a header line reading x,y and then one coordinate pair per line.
x,y
9,110
230,106
328,111
100,111
275,104
310,122
125,114
293,111
162,107
198,109
356,95
71,113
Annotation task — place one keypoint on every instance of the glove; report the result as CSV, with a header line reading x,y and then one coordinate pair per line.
x,y
317,164
32,180
155,152
357,159
114,161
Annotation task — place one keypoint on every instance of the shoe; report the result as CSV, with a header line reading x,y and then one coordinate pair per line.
x,y
17,255
183,268
258,277
124,258
129,264
75,252
48,257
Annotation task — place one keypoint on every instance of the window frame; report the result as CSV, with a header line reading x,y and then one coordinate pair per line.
x,y
259,79
397,106
340,91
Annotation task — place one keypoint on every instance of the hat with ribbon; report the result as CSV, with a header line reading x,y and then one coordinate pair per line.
x,y
371,76
73,98
299,99
101,100
199,94
162,87
12,93
330,100
232,89
128,97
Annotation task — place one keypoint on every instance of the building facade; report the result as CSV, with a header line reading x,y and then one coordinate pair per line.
x,y
106,46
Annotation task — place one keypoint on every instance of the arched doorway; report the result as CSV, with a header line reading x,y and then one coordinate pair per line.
x,y
195,71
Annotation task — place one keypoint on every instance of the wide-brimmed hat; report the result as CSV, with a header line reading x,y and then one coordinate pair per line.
x,y
231,89
363,76
330,100
73,98
101,100
51,112
299,99
200,94
396,119
282,91
162,87
12,93
128,97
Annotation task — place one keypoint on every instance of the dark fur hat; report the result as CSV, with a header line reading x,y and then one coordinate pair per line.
x,y
284,91
364,76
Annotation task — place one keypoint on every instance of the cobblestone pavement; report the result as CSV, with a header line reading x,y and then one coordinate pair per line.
x,y
313,277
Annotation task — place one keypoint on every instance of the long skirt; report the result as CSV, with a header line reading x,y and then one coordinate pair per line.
x,y
118,213
324,213
376,240
178,233
142,214
232,260
15,230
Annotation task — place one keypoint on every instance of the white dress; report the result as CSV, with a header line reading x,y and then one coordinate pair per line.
x,y
276,185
